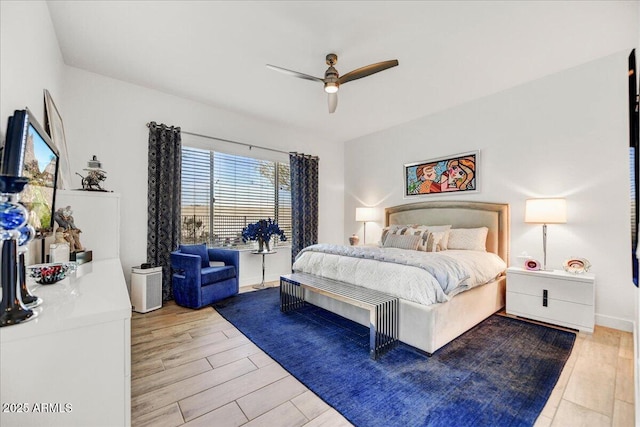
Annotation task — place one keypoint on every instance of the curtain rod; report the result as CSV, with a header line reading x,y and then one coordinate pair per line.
x,y
251,146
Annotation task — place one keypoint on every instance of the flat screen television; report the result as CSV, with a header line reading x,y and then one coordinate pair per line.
x,y
29,152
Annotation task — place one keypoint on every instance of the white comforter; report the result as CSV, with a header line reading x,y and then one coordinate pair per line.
x,y
410,280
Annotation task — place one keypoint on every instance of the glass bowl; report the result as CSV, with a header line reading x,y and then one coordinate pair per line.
x,y
48,274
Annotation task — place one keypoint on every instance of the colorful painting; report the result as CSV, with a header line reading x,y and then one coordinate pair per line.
x,y
447,175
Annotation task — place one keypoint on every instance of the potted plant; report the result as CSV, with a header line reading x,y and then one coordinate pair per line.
x,y
262,231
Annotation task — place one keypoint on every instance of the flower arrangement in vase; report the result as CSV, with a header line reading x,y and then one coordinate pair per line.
x,y
262,231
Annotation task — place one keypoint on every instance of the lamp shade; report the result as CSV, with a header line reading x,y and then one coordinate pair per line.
x,y
366,214
546,211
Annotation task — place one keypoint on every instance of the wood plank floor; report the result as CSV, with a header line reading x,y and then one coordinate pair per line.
x,y
193,368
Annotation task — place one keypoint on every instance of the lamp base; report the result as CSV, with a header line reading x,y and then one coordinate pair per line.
x,y
16,315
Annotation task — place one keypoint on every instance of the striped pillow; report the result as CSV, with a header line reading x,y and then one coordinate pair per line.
x,y
402,241
424,232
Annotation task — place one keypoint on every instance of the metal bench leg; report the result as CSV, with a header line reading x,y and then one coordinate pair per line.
x,y
383,328
373,333
291,295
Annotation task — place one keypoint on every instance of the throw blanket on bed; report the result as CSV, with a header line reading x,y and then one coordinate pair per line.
x,y
443,276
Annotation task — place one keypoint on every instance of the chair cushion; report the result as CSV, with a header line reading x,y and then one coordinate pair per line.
x,y
200,250
212,275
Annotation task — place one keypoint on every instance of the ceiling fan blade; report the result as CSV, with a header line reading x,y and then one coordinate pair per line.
x,y
367,71
333,102
295,73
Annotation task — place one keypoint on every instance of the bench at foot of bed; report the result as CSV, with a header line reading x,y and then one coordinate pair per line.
x,y
383,309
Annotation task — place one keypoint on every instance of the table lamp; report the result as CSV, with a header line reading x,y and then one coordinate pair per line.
x,y
364,215
545,211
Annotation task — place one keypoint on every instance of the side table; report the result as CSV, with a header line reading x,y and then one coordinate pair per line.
x,y
263,253
555,297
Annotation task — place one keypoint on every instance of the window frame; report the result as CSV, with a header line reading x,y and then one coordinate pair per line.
x,y
275,196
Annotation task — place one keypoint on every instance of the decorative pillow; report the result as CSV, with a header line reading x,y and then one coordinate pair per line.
x,y
472,239
435,239
386,231
393,229
444,240
200,250
424,231
401,241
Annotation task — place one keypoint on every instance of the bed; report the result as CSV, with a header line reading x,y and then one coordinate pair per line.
x,y
424,324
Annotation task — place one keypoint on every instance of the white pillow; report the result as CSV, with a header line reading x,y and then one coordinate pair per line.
x,y
471,239
402,241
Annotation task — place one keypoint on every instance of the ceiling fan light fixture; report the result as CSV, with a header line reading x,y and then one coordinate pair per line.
x,y
331,87
332,79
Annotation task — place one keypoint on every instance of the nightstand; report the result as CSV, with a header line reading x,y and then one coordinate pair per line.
x,y
555,297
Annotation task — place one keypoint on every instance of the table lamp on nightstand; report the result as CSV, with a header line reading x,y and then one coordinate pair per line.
x,y
364,215
545,211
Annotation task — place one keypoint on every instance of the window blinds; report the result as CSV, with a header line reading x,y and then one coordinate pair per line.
x,y
222,193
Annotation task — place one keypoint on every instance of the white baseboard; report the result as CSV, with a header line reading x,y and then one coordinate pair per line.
x,y
615,323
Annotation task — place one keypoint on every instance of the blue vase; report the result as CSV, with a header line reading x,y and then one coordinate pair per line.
x,y
12,215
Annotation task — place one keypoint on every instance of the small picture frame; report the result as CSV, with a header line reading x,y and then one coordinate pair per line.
x,y
55,129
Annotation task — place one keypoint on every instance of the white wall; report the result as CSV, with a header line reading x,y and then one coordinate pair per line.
x,y
564,135
558,136
30,61
107,117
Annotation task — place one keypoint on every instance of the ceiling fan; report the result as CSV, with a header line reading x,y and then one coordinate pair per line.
x,y
332,80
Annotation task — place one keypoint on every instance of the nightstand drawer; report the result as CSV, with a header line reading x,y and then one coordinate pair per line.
x,y
559,289
563,313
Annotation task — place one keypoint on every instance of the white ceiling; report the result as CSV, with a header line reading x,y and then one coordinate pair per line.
x,y
215,52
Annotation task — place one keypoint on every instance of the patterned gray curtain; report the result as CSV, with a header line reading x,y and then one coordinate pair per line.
x,y
163,224
304,201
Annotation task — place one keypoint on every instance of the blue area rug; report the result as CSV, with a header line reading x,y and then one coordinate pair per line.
x,y
500,373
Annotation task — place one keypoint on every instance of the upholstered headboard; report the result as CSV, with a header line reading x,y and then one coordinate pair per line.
x,y
494,216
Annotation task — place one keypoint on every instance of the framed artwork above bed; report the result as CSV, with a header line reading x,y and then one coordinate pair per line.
x,y
446,175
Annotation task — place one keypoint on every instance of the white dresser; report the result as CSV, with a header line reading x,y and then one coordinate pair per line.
x,y
71,366
555,297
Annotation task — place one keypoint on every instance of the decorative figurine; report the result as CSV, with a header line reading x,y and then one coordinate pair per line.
x,y
70,233
60,236
94,177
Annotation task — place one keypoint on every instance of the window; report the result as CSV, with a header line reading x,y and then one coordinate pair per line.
x,y
222,193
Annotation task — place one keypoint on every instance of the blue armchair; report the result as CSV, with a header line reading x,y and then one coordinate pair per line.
x,y
195,283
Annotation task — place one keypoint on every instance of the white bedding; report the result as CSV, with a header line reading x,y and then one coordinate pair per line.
x,y
407,282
